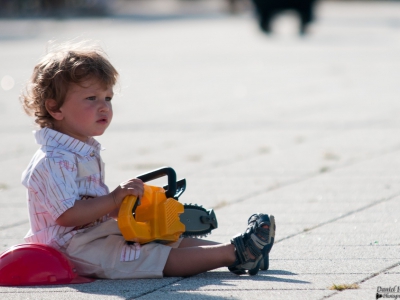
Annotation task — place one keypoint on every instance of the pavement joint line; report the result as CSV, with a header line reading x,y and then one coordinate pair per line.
x,y
31,289
380,272
340,217
252,289
334,132
251,155
311,176
157,289
367,278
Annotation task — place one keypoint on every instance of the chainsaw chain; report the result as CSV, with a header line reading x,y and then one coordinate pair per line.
x,y
197,234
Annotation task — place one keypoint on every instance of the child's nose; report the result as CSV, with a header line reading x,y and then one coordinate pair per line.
x,y
105,105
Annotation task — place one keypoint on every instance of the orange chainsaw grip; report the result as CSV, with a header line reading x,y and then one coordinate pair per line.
x,y
129,227
156,218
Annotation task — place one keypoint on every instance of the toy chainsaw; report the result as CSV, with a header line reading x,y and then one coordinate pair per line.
x,y
158,216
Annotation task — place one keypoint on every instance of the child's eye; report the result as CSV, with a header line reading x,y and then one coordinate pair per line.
x,y
91,98
108,98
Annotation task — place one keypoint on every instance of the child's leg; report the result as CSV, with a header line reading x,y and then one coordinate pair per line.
x,y
193,242
197,256
194,256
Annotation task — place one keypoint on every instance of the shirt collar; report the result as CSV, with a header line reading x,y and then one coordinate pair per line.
x,y
50,137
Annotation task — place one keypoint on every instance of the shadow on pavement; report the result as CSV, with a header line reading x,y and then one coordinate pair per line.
x,y
183,287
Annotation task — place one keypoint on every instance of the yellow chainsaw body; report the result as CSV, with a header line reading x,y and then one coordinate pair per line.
x,y
155,219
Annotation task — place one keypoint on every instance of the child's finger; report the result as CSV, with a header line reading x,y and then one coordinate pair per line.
x,y
135,189
138,192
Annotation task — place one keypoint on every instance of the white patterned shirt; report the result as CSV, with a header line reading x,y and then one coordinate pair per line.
x,y
62,171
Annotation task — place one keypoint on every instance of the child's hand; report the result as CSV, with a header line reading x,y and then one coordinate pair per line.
x,y
130,187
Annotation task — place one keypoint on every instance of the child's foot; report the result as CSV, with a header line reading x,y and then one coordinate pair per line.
x,y
253,246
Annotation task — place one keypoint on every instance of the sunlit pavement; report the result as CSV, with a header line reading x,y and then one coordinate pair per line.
x,y
304,128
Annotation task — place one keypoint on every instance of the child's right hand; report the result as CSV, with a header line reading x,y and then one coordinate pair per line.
x,y
132,186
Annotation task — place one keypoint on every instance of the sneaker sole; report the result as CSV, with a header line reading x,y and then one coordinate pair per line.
x,y
264,265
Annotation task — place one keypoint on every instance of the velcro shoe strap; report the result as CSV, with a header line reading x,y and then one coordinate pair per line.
x,y
253,247
241,252
253,218
244,245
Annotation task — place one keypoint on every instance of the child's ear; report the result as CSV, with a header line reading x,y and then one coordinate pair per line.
x,y
53,110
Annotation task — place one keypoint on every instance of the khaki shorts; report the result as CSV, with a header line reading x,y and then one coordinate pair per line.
x,y
96,253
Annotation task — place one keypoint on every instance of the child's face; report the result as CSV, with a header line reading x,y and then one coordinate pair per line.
x,y
87,110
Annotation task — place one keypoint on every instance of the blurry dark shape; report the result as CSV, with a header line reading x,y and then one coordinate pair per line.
x,y
52,8
238,6
267,9
233,6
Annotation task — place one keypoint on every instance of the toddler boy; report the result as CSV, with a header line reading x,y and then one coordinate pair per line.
x,y
71,208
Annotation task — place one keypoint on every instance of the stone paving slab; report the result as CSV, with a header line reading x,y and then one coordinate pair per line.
x,y
102,289
311,294
389,278
369,288
271,280
303,128
340,252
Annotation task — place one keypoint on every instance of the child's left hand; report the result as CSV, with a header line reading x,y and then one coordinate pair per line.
x,y
132,186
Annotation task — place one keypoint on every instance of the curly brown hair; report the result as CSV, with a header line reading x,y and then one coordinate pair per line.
x,y
67,63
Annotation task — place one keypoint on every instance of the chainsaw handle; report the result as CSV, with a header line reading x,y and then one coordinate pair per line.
x,y
164,171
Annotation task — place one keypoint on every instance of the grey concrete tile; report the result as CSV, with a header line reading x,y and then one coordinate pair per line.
x,y
334,265
361,228
239,294
273,279
281,251
13,235
395,270
384,283
354,294
103,289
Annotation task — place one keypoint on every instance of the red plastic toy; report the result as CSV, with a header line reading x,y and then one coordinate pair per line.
x,y
36,264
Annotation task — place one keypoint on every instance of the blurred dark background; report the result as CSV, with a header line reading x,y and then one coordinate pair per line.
x,y
53,8
85,8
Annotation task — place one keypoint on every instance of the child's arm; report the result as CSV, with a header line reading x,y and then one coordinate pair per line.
x,y
84,212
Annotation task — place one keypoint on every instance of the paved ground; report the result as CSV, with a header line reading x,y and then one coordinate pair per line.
x,y
306,129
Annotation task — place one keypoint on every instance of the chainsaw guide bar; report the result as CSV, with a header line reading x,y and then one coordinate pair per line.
x,y
198,221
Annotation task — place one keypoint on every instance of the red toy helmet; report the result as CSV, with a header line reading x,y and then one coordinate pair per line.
x,y
36,264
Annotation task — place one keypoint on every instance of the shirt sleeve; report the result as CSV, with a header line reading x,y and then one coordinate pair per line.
x,y
55,181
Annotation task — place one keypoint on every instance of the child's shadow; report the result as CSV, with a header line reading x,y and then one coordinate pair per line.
x,y
226,278
199,286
